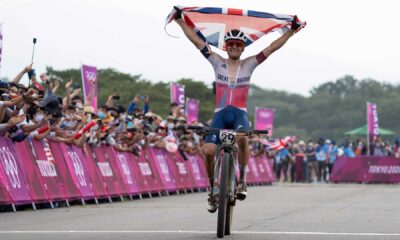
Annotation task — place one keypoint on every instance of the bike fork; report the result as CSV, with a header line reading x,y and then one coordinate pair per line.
x,y
232,174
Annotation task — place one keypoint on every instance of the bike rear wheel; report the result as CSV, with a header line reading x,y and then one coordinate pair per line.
x,y
223,195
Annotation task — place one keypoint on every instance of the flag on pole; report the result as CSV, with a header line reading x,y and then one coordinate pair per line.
x,y
372,122
264,119
178,94
89,75
192,110
211,24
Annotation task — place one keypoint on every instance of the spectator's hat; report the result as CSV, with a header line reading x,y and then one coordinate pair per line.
x,y
149,114
90,110
4,86
51,105
108,118
170,118
121,109
302,143
181,119
327,141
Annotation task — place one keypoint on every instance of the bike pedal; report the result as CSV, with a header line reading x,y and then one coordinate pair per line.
x,y
241,196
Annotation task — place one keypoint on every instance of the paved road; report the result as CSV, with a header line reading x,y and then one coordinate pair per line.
x,y
281,211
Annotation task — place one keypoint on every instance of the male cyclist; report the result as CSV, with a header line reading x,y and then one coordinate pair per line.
x,y
232,86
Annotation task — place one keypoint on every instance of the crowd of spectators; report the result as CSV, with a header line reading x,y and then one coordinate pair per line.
x,y
35,111
313,161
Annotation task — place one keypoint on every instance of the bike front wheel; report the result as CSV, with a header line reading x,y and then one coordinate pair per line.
x,y
223,195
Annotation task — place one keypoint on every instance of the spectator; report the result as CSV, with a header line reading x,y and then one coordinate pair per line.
x,y
312,162
322,158
333,154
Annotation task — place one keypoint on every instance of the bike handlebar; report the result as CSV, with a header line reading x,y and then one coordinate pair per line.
x,y
216,130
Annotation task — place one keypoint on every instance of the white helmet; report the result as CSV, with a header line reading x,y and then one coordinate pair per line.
x,y
235,34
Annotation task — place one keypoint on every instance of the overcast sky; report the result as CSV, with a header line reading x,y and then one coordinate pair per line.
x,y
357,37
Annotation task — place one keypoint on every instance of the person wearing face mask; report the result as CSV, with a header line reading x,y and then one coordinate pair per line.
x,y
170,122
102,112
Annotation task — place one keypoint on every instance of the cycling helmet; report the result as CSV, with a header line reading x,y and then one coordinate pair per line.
x,y
235,34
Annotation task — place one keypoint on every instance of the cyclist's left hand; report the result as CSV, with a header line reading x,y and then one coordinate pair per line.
x,y
295,26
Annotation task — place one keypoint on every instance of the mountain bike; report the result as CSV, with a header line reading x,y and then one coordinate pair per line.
x,y
225,180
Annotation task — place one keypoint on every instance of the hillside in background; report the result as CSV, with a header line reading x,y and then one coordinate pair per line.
x,y
330,110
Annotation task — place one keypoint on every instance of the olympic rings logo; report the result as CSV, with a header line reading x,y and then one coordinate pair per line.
x,y
91,76
125,168
264,114
10,166
78,168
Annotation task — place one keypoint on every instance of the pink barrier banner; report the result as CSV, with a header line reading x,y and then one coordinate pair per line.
x,y
180,170
160,162
5,194
57,181
125,170
55,155
265,169
99,183
13,176
34,169
366,169
78,169
198,170
148,179
107,171
253,176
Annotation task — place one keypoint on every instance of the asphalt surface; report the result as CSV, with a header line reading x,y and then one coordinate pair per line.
x,y
280,211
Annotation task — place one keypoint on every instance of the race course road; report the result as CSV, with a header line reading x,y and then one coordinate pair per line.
x,y
280,211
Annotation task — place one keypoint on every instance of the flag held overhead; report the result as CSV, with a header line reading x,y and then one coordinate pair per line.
x,y
211,24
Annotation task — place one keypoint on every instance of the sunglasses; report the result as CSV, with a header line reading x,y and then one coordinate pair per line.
x,y
232,43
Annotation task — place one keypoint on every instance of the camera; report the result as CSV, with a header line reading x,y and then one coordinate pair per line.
x,y
116,97
53,121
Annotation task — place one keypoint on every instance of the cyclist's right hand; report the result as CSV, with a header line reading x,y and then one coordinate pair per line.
x,y
178,14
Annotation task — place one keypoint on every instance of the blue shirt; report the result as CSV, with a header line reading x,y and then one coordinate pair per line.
x,y
322,152
333,153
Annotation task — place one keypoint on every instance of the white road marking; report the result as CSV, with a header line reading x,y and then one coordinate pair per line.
x,y
202,232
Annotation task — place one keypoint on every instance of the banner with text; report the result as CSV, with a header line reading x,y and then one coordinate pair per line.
x,y
89,83
366,169
178,94
372,121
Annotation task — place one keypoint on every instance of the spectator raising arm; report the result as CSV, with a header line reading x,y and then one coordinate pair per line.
x,y
21,74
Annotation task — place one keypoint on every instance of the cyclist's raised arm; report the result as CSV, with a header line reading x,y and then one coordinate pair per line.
x,y
278,43
189,32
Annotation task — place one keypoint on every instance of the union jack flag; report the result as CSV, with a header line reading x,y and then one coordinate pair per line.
x,y
278,144
211,24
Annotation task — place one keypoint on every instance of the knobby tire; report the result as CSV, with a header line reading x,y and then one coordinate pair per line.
x,y
223,195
